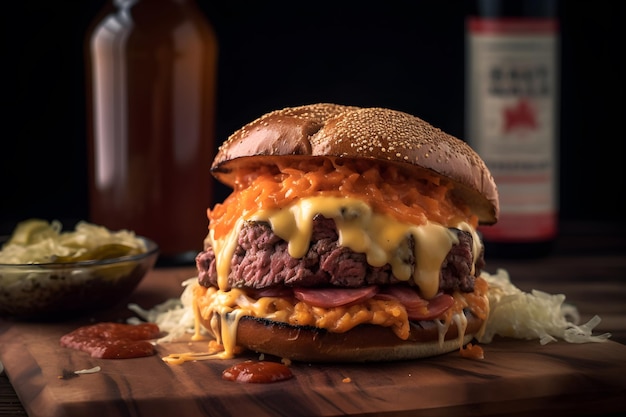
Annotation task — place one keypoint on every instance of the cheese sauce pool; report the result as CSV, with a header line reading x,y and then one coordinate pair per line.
x,y
113,340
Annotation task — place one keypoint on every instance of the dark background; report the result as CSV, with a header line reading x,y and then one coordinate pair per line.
x,y
407,55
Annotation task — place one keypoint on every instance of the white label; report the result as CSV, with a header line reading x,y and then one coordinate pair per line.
x,y
512,120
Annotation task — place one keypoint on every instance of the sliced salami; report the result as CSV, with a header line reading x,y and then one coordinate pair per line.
x,y
334,297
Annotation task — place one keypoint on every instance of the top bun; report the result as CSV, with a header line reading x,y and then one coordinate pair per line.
x,y
384,135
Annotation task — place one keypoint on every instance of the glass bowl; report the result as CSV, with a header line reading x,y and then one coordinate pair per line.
x,y
53,290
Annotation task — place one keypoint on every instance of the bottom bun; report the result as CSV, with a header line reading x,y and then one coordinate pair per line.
x,y
364,343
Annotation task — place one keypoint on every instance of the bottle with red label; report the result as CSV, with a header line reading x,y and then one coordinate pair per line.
x,y
512,113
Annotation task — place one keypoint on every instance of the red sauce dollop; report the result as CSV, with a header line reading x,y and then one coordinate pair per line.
x,y
257,372
113,340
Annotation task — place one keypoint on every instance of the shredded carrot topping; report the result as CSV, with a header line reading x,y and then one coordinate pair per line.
x,y
477,301
387,189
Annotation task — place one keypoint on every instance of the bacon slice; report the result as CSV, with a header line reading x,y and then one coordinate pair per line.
x,y
334,297
270,292
418,308
436,307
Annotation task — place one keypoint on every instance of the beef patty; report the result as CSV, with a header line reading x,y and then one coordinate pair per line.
x,y
261,260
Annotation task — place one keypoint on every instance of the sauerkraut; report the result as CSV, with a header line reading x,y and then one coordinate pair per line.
x,y
535,315
174,316
513,313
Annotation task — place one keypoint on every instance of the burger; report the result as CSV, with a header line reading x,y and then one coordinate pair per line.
x,y
350,235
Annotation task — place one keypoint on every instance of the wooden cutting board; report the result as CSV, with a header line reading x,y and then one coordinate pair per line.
x,y
516,378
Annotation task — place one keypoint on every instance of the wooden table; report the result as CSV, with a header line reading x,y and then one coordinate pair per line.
x,y
588,266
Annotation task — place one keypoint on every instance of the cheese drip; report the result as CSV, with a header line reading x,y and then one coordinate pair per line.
x,y
380,237
220,311
224,250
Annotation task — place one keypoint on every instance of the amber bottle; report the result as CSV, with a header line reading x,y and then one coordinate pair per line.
x,y
151,72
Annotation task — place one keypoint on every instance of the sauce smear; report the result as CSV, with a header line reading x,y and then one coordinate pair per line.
x,y
113,340
261,372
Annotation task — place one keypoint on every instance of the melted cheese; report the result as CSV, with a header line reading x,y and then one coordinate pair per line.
x,y
380,237
410,197
220,311
375,213
224,250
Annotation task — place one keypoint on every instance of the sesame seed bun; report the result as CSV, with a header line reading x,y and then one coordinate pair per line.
x,y
384,135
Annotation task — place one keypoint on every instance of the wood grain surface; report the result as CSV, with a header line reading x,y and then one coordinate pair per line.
x,y
516,378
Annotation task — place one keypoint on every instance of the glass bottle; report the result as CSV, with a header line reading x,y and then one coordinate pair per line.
x,y
512,91
151,72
